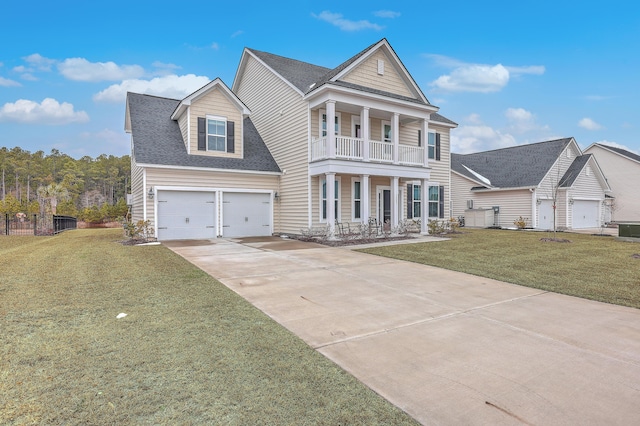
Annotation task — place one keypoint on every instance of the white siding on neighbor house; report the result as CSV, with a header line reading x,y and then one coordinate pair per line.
x,y
461,193
137,192
623,176
366,74
163,177
586,187
281,117
512,203
216,103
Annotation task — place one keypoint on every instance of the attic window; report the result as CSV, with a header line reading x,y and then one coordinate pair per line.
x,y
569,153
380,67
588,170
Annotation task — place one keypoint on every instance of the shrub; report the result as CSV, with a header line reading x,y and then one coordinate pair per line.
x,y
521,222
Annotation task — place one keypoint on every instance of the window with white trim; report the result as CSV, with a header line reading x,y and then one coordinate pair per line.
x,y
434,201
386,131
431,145
414,201
356,201
216,133
323,200
323,123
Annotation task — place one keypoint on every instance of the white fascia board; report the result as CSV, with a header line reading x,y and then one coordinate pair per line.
x,y
368,168
260,61
217,82
397,66
210,189
467,177
371,100
601,177
208,169
127,117
606,148
441,124
482,179
519,188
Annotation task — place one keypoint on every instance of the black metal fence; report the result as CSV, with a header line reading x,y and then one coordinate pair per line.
x,y
22,224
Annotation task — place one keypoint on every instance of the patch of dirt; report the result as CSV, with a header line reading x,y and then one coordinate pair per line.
x,y
635,256
555,240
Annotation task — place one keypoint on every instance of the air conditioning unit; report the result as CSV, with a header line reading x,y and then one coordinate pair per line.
x,y
470,204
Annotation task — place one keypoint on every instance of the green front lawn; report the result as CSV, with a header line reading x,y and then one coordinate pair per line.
x,y
189,351
592,267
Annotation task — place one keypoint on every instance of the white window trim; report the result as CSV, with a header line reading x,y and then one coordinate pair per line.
x,y
429,201
355,120
322,112
353,199
338,197
413,210
429,145
382,124
217,118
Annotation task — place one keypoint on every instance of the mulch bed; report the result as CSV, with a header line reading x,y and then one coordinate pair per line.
x,y
555,240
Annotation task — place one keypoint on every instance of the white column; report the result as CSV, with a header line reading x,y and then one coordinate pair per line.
x,y
331,202
331,129
424,208
364,122
365,198
395,132
394,202
425,141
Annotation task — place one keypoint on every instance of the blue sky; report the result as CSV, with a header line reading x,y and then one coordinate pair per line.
x,y
508,72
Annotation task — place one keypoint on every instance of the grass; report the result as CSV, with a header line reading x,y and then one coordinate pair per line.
x,y
591,267
190,351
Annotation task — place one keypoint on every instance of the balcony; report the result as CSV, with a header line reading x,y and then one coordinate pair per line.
x,y
373,151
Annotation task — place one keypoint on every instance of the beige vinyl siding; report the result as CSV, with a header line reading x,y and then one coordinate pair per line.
x,y
460,193
216,103
184,129
137,191
281,117
366,74
441,170
207,179
513,204
409,135
623,175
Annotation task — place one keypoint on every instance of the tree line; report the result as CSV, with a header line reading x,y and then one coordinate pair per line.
x,y
92,189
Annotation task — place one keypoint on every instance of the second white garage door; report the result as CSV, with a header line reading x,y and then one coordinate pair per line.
x,y
246,214
586,214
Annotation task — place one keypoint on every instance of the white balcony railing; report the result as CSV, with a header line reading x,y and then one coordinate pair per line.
x,y
353,149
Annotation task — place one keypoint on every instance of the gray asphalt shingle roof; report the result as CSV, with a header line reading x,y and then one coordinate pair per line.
x,y
308,77
621,151
514,167
574,170
157,139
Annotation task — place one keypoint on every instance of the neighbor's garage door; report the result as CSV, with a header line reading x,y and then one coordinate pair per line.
x,y
585,214
186,215
246,214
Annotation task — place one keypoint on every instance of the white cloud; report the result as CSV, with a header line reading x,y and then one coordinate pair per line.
x,y
467,139
237,33
110,140
339,21
29,77
79,69
386,14
169,86
473,118
481,78
5,82
40,62
49,111
518,114
215,46
589,124
474,78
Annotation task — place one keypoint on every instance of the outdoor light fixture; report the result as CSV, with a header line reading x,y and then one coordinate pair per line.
x,y
538,201
276,196
150,193
571,201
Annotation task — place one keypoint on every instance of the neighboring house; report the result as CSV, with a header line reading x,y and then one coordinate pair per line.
x,y
622,169
261,159
199,168
355,142
495,188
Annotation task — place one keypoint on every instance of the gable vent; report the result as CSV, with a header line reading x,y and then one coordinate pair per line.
x,y
380,67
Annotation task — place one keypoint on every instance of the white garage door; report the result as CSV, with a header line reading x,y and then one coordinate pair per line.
x,y
246,214
186,215
585,214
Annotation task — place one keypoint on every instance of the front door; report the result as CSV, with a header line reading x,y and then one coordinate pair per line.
x,y
384,204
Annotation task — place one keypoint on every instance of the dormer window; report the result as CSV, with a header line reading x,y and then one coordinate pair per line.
x,y
216,133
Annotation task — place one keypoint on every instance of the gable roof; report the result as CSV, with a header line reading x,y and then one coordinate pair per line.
x,y
306,77
513,167
217,83
574,170
157,139
619,151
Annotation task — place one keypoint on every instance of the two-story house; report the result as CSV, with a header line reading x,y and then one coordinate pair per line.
x,y
312,146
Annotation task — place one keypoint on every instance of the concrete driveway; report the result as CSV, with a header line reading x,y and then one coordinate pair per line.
x,y
446,347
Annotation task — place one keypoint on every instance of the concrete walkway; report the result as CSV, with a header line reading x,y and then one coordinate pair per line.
x,y
446,347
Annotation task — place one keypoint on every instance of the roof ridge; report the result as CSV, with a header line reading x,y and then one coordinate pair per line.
x,y
153,96
517,146
286,57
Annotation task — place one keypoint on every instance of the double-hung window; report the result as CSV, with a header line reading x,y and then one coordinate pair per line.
x,y
216,134
357,200
434,201
414,201
323,123
431,145
323,200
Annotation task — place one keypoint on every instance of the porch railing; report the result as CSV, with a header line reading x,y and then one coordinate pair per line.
x,y
353,149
